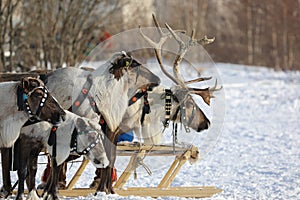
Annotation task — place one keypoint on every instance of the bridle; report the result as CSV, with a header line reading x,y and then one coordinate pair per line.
x,y
74,143
168,95
35,117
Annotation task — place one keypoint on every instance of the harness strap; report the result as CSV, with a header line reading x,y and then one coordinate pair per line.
x,y
174,133
168,105
137,96
181,108
52,140
74,143
83,94
42,103
94,105
20,98
146,107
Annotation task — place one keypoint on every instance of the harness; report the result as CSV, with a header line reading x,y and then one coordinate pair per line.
x,y
85,94
35,117
22,99
74,143
180,108
146,107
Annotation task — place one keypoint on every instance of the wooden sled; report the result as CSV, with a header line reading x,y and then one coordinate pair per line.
x,y
137,152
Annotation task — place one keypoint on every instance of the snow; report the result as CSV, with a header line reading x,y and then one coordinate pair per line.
x,y
257,155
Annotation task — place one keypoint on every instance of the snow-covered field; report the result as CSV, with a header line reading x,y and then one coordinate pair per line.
x,y
257,155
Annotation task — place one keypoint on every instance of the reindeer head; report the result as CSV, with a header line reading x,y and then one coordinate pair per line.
x,y
40,102
90,138
29,83
139,76
187,111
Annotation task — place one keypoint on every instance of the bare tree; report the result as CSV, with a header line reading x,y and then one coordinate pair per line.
x,y
65,27
250,32
7,32
51,33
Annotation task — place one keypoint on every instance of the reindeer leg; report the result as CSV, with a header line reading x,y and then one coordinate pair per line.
x,y
51,187
22,170
31,170
6,161
113,160
21,176
105,184
103,180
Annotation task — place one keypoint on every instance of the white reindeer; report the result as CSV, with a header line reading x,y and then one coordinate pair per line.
x,y
182,107
85,134
110,89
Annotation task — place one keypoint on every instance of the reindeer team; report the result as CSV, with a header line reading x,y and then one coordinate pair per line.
x,y
103,96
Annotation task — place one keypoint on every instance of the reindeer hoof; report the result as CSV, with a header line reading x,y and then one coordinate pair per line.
x,y
50,197
32,195
20,197
112,191
3,193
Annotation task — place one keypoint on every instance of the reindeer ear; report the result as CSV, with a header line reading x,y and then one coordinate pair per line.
x,y
25,83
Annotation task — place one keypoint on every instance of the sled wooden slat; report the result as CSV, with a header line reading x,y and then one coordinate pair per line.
x,y
129,170
173,170
138,151
78,174
189,192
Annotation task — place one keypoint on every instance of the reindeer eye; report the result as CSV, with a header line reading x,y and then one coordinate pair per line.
x,y
135,63
38,93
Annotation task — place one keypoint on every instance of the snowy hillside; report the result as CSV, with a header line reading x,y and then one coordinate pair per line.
x,y
257,155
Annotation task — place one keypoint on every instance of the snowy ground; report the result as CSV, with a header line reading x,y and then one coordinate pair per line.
x,y
257,155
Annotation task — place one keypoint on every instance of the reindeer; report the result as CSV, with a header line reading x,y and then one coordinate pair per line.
x,y
38,103
109,90
84,135
184,108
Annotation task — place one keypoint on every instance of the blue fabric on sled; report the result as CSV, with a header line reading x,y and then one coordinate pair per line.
x,y
128,137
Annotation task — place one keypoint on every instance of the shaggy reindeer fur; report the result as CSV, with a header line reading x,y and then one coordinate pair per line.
x,y
110,93
9,115
113,85
41,131
34,137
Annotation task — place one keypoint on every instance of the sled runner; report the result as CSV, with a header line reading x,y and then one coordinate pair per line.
x,y
137,152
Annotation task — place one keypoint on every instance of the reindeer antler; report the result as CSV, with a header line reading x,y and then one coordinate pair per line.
x,y
158,47
206,93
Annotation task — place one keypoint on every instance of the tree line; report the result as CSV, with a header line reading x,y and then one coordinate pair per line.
x,y
251,32
49,33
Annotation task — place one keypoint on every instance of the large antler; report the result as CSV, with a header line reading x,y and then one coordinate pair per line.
x,y
158,47
206,93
